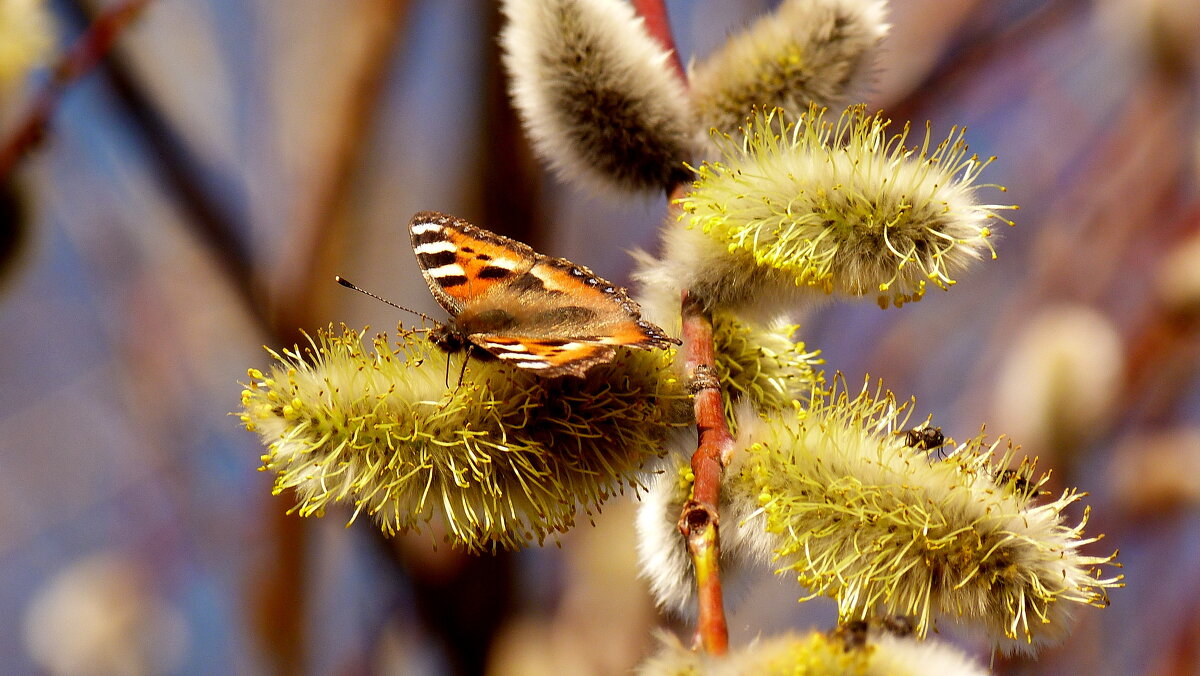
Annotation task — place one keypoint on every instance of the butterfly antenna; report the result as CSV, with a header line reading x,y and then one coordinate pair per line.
x,y
350,285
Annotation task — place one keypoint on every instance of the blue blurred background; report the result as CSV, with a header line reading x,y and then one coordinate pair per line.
x,y
195,194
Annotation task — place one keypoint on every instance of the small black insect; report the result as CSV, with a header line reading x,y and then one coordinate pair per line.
x,y
925,438
898,625
853,634
1019,482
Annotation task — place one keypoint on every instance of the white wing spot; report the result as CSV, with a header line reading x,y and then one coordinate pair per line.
x,y
509,347
452,270
422,228
518,356
505,263
435,247
547,279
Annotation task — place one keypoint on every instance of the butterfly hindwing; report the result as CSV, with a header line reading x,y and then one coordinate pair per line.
x,y
547,357
539,313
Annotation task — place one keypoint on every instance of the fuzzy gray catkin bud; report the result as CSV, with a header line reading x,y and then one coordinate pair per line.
x,y
805,52
761,369
597,95
662,550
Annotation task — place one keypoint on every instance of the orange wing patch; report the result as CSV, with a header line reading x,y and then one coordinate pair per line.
x,y
461,262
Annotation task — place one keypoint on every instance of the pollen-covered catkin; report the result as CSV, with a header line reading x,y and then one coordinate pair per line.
x,y
811,207
763,368
26,39
805,52
814,654
501,460
883,528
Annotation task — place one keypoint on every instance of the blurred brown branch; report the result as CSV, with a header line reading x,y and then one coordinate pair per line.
x,y
302,281
299,286
88,51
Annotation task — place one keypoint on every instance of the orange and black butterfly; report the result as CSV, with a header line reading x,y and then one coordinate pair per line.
x,y
507,301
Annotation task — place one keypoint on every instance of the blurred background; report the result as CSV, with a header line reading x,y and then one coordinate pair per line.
x,y
191,197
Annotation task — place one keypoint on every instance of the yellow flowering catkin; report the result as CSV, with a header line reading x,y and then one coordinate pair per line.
x,y
815,654
499,460
841,208
884,528
763,366
26,38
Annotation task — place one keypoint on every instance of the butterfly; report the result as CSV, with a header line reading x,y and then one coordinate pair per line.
x,y
509,302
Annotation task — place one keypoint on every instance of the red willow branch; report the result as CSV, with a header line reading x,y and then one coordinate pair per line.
x,y
79,60
654,13
699,523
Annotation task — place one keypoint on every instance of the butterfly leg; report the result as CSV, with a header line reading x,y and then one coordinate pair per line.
x,y
463,371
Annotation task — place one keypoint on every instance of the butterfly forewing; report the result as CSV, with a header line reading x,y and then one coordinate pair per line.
x,y
462,262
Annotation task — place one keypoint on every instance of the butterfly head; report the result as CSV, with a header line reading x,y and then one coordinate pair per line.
x,y
451,339
448,338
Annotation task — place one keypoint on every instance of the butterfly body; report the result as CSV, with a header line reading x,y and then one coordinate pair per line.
x,y
507,301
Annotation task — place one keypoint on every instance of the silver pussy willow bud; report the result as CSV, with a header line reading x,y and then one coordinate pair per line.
x,y
805,52
662,551
502,459
1060,380
597,95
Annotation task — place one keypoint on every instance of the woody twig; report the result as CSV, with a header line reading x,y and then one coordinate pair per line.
x,y
700,522
83,56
